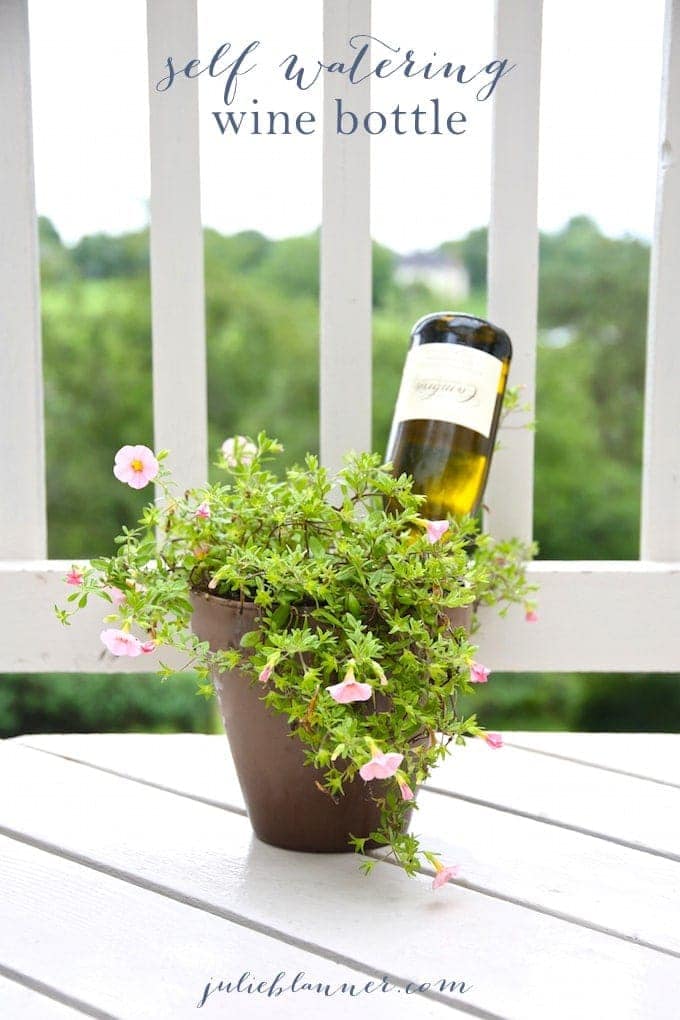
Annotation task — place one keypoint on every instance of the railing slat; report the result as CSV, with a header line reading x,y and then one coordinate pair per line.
x,y
639,599
660,531
177,285
513,250
23,529
346,286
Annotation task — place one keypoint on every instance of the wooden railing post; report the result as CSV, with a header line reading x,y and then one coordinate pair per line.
x,y
513,251
660,529
177,286
23,530
346,278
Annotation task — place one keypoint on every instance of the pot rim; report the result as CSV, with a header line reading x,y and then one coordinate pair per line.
x,y
208,596
246,605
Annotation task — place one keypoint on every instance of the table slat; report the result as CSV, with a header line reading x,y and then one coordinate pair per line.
x,y
645,755
522,963
633,812
134,954
593,881
630,811
16,1000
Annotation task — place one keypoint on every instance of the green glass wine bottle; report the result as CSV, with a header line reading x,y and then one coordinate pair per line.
x,y
448,408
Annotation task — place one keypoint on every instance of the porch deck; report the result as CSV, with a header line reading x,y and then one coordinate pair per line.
x,y
131,880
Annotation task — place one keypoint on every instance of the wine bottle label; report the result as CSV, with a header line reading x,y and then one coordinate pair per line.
x,y
449,382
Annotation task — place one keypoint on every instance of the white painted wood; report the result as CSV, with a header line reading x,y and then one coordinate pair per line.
x,y
177,287
549,868
33,640
522,963
513,251
345,399
23,529
631,811
660,530
16,1000
602,616
134,954
653,756
598,616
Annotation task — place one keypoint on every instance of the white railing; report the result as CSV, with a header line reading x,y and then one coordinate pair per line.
x,y
595,616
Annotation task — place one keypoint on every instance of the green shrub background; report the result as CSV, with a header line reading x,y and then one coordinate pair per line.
x,y
262,325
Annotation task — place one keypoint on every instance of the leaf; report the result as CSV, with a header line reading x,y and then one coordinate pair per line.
x,y
251,639
281,615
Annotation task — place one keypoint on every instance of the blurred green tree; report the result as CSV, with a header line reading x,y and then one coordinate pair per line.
x,y
262,325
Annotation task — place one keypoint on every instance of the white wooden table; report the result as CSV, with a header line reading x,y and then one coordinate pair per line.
x,y
129,879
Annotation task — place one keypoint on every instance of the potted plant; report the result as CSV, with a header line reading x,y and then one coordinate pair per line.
x,y
332,620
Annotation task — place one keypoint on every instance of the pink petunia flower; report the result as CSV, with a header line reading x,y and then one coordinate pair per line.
x,y
74,577
238,450
405,790
435,529
115,594
494,740
135,465
119,642
147,647
265,674
268,668
381,766
203,511
350,689
444,873
479,674
531,616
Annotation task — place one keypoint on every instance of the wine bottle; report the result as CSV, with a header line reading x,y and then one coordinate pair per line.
x,y
446,416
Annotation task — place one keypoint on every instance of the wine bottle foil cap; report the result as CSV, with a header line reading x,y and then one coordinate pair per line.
x,y
437,326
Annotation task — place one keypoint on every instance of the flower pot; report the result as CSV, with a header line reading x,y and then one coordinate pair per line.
x,y
285,806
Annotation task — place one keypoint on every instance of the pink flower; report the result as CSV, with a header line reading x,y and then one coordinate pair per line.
x,y
349,689
135,465
531,616
74,577
119,642
238,450
494,739
381,766
435,529
147,647
268,668
479,674
265,674
115,594
444,874
405,790
203,511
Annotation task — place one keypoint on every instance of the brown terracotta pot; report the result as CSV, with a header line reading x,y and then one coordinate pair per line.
x,y
285,806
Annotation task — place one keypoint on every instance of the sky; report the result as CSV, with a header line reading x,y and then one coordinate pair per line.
x,y
599,118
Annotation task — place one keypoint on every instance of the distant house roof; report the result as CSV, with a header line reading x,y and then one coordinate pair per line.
x,y
428,260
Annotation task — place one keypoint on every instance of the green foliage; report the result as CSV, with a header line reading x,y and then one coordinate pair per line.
x,y
97,362
537,701
102,256
595,288
587,502
626,704
348,585
101,704
263,373
56,263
